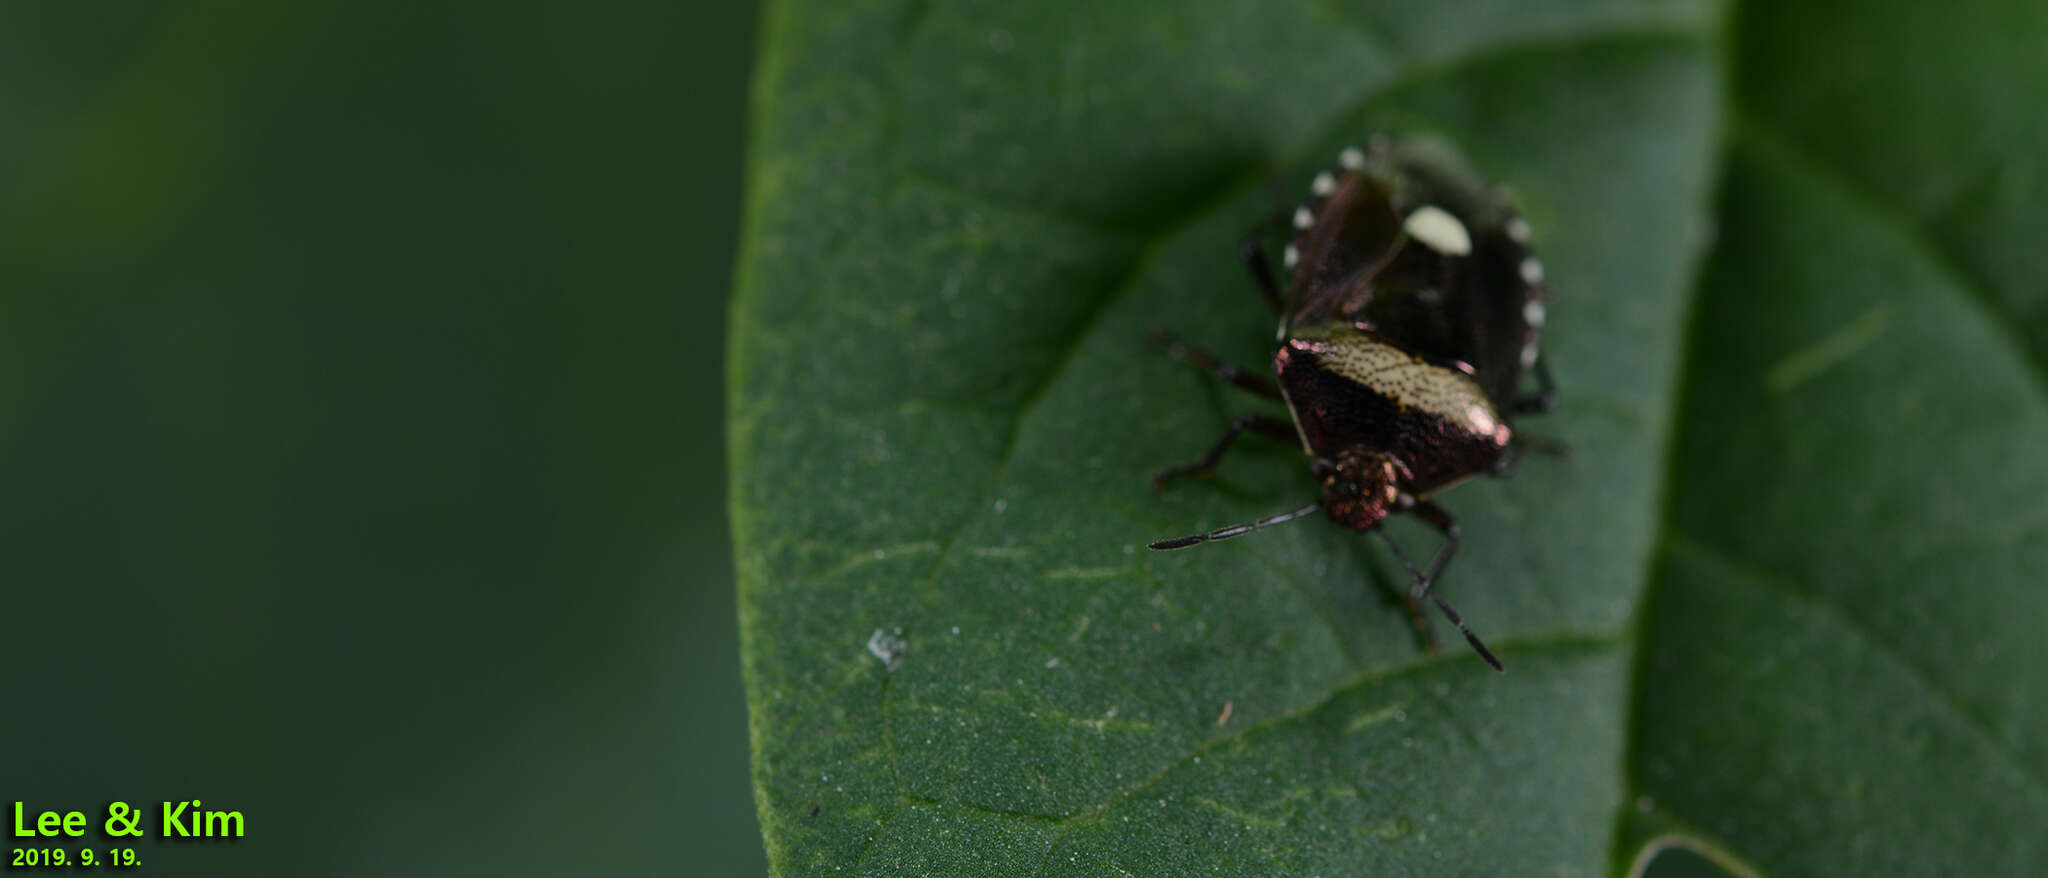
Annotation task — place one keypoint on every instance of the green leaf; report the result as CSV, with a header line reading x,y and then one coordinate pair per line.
x,y
1779,609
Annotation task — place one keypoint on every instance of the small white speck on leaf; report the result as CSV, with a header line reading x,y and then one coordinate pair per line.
x,y
888,647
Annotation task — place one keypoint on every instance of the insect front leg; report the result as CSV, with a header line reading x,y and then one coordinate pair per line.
x,y
1442,521
1265,424
1417,616
1180,350
1425,580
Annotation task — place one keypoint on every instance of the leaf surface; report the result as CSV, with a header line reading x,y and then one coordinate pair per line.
x,y
962,221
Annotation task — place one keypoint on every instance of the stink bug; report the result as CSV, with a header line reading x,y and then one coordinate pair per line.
x,y
1411,311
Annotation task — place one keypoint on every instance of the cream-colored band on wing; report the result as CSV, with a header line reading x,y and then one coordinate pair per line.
x,y
1400,377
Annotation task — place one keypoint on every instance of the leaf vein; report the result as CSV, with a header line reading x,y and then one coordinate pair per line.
x,y
1915,672
1564,641
1767,143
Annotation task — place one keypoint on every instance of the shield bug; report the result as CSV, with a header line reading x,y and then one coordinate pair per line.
x,y
1410,317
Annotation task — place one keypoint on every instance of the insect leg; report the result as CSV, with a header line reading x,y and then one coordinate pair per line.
x,y
1254,257
1546,391
1442,521
1208,362
1254,254
1416,615
1548,446
1544,400
1509,458
1426,580
1266,424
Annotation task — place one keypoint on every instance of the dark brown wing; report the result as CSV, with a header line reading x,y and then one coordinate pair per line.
x,y
1349,234
1463,298
1350,389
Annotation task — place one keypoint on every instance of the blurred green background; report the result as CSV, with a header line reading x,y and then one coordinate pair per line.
x,y
361,431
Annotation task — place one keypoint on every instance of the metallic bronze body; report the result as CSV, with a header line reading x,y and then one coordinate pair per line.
x,y
1412,310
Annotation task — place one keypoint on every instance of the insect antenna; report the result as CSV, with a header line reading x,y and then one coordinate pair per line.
x,y
1428,586
1235,530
